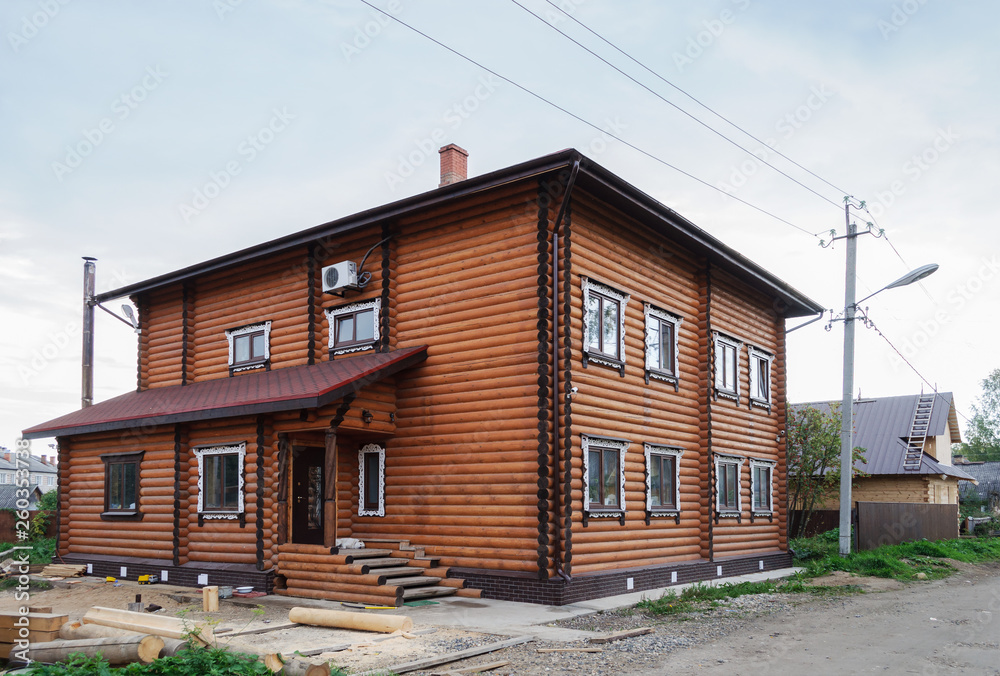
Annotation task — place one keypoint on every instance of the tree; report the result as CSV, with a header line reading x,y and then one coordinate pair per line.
x,y
983,432
813,452
49,501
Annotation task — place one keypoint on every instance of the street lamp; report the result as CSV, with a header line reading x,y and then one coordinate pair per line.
x,y
847,405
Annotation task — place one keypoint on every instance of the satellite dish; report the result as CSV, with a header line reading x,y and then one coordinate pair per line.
x,y
127,309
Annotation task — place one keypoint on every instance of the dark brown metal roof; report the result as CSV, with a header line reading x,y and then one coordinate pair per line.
x,y
284,389
593,177
880,426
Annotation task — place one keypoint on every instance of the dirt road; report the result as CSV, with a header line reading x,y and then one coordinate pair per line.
x,y
950,626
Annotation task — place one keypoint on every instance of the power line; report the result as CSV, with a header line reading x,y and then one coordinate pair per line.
x,y
676,107
588,122
703,105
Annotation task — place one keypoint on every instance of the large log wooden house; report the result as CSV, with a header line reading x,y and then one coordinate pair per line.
x,y
543,385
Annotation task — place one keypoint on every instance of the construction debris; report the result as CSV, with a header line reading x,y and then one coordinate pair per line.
x,y
617,636
424,664
63,570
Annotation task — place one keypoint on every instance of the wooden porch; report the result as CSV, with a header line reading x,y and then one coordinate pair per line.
x,y
383,573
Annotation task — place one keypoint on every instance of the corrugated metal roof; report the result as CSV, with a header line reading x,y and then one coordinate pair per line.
x,y
279,390
988,476
9,496
880,426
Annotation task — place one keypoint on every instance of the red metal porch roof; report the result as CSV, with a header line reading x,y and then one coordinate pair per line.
x,y
263,392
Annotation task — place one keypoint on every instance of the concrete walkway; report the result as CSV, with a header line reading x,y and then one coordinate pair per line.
x,y
509,618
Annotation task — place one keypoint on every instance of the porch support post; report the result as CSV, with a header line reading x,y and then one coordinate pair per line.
x,y
283,453
330,489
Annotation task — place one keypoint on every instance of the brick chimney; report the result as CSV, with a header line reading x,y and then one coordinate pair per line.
x,y
6,456
454,164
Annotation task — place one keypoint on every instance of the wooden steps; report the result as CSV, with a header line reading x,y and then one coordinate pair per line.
x,y
387,575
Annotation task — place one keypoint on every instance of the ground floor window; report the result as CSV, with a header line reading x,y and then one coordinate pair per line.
x,y
662,479
604,476
121,484
220,480
761,475
728,500
371,481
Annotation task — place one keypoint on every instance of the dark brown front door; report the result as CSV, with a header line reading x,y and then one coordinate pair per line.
x,y
307,495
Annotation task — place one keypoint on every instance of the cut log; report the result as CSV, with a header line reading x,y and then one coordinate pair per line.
x,y
210,599
299,667
71,631
169,627
115,649
345,620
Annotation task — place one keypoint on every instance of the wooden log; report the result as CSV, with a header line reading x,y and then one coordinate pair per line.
x,y
77,630
169,627
345,620
115,649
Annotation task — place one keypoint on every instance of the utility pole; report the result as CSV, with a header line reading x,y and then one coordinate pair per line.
x,y
847,405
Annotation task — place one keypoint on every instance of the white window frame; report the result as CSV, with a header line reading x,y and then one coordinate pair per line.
x,y
590,286
656,449
621,445
756,463
371,448
333,313
720,391
654,316
231,334
757,355
4,477
241,450
725,459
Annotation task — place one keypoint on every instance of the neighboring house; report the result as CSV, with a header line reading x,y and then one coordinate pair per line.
x,y
553,413
10,498
42,471
987,492
907,447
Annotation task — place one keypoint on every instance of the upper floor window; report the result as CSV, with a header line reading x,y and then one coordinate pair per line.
x,y
604,475
728,499
727,363
661,344
761,475
220,481
121,485
760,377
662,479
355,326
249,346
604,324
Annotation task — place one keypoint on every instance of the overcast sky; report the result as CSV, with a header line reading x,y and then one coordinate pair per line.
x,y
157,135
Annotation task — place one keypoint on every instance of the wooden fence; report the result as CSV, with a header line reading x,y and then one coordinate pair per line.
x,y
8,530
821,521
889,523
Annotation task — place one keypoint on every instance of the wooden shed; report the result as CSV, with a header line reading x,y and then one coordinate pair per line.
x,y
538,384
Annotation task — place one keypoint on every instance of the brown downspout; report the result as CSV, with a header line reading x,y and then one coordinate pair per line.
x,y
557,540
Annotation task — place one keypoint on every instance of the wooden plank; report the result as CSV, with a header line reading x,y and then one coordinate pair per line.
x,y
617,636
477,669
450,657
264,630
570,650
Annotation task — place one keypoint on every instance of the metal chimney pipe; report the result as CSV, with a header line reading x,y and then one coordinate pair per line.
x,y
89,276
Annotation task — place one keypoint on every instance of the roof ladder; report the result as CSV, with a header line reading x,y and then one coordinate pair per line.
x,y
918,432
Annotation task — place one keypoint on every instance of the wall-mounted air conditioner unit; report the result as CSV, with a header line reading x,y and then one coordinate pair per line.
x,y
340,276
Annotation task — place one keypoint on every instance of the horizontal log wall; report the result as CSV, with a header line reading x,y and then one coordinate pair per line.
x,y
631,260
461,472
750,431
161,338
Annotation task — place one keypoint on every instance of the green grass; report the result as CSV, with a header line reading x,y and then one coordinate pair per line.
x,y
819,555
42,550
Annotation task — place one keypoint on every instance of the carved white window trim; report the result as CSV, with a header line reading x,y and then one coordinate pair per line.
x,y
757,355
622,298
720,460
333,313
655,449
371,448
243,330
200,453
770,465
604,442
653,316
720,390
